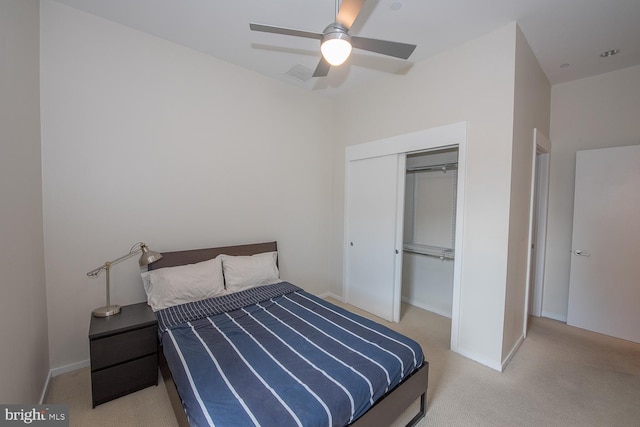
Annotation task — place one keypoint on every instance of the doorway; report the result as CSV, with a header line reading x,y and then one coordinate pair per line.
x,y
537,227
538,223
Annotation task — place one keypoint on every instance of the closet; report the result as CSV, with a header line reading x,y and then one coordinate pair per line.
x,y
380,231
431,182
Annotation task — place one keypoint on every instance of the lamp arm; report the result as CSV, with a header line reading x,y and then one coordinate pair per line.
x,y
135,249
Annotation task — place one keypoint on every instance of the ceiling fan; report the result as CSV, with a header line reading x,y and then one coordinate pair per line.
x,y
336,41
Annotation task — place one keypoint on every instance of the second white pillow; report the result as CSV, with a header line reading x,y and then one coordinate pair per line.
x,y
244,272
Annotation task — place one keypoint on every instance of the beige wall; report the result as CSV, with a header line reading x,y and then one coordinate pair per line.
x,y
596,112
532,105
23,326
472,83
147,140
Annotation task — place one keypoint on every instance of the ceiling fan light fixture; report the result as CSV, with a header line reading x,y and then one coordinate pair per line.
x,y
336,46
336,40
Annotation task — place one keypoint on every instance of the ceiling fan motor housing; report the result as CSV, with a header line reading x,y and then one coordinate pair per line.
x,y
336,31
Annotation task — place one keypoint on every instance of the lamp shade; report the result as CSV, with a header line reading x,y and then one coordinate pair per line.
x,y
148,256
335,45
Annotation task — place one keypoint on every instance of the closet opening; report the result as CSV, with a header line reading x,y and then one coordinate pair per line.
x,y
429,234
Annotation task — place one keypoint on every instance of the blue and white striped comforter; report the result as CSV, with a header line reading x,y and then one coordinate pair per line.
x,y
278,356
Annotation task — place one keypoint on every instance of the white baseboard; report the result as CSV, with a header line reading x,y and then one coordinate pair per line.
x,y
513,351
491,364
555,316
70,368
331,295
427,307
45,389
59,371
496,365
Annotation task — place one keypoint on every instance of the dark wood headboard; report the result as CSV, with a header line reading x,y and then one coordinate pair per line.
x,y
172,259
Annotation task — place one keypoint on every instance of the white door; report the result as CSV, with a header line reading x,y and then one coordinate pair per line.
x,y
375,201
604,288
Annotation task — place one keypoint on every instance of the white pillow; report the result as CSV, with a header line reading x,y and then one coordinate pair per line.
x,y
169,286
244,272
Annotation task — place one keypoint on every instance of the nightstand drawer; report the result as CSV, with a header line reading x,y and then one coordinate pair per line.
x,y
111,350
123,379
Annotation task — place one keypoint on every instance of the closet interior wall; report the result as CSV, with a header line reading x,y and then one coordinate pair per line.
x,y
429,230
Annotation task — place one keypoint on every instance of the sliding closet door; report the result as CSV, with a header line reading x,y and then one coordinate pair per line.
x,y
375,201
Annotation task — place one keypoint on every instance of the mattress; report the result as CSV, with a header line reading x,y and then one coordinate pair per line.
x,y
276,355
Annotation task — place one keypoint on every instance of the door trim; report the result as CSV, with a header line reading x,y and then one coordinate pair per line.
x,y
438,137
538,222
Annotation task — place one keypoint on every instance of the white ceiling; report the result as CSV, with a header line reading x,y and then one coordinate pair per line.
x,y
560,32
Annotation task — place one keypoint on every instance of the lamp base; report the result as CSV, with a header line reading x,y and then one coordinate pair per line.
x,y
106,311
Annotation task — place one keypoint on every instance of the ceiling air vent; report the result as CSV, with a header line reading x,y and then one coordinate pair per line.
x,y
300,72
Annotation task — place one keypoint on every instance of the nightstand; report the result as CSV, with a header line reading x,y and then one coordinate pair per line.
x,y
124,352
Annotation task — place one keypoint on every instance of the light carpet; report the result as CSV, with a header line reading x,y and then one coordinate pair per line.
x,y
560,376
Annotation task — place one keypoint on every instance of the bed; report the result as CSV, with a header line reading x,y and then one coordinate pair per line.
x,y
274,355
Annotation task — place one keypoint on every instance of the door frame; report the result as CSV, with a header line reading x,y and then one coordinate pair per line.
x,y
447,136
538,225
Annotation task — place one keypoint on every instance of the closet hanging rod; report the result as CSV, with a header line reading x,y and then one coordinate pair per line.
x,y
434,168
441,257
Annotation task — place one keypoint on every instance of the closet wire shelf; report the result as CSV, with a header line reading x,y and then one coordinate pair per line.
x,y
427,250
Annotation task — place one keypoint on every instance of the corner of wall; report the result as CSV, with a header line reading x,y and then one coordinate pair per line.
x,y
531,109
25,350
512,352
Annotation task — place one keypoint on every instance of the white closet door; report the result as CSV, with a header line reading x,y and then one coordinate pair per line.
x,y
375,202
604,288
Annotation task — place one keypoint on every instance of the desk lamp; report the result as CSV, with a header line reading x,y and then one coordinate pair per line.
x,y
148,256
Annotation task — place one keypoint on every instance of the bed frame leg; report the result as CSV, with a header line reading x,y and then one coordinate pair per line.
x,y
419,415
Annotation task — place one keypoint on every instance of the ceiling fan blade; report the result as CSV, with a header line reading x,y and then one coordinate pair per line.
x,y
349,10
395,49
285,31
322,69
